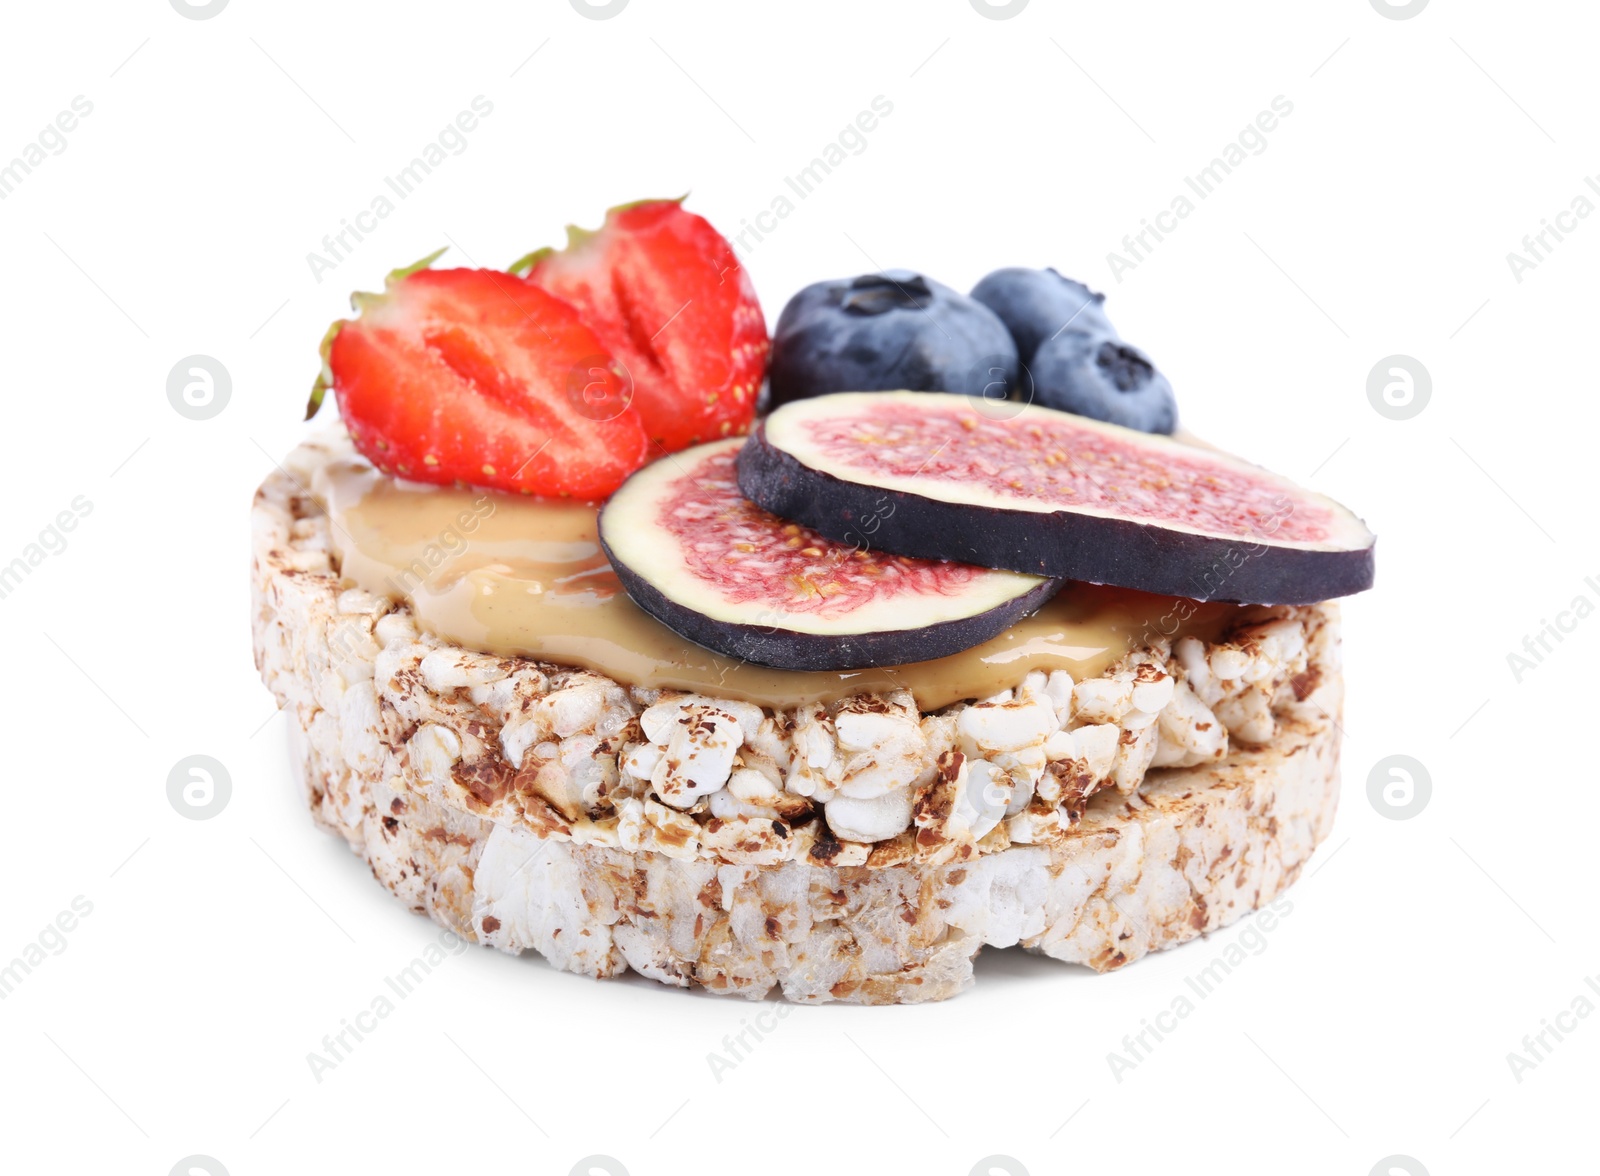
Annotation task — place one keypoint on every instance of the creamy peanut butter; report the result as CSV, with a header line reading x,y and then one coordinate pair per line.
x,y
512,575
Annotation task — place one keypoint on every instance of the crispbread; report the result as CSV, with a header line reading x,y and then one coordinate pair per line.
x,y
427,797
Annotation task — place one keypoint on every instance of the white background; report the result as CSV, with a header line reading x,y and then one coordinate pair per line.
x,y
178,220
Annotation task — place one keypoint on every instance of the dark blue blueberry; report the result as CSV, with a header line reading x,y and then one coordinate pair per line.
x,y
1099,376
1037,304
886,331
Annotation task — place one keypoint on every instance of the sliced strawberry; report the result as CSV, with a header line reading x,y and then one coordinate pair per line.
x,y
479,376
667,296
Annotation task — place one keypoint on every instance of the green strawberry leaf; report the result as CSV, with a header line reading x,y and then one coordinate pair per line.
x,y
524,264
396,276
359,301
325,374
577,236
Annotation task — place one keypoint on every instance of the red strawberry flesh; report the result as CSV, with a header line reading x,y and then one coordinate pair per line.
x,y
668,297
467,375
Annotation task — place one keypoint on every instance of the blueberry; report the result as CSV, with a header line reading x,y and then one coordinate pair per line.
x,y
888,331
1037,304
1097,375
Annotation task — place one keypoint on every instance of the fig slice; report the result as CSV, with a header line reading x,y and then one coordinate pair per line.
x,y
1035,490
702,559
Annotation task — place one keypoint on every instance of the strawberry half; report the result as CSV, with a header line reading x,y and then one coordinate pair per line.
x,y
479,376
668,297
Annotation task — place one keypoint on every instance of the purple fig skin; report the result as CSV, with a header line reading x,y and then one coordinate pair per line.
x,y
1064,544
785,649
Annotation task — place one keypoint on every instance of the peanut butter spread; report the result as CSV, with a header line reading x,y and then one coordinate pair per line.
x,y
513,575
